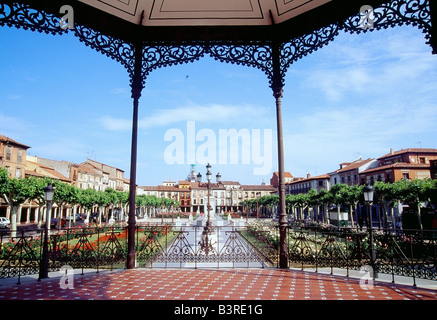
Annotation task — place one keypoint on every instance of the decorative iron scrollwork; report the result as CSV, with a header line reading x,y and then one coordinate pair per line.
x,y
161,55
302,46
253,54
116,49
392,14
24,16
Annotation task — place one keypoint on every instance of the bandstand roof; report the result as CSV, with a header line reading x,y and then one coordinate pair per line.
x,y
197,20
267,34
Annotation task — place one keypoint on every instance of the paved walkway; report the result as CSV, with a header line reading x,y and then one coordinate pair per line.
x,y
191,288
206,284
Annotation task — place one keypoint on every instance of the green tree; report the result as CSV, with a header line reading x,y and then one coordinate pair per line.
x,y
38,196
385,195
123,200
112,200
348,196
326,199
415,193
65,195
313,202
15,192
87,199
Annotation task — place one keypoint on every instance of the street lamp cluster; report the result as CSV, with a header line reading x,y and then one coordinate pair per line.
x,y
368,192
205,242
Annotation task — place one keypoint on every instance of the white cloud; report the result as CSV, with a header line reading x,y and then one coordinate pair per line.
x,y
115,124
60,148
120,91
14,97
12,124
203,113
384,62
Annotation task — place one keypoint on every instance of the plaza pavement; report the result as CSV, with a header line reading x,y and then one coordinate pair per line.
x,y
208,284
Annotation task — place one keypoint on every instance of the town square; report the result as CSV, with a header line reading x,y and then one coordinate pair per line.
x,y
235,152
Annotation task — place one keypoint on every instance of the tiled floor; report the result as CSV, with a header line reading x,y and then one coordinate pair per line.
x,y
208,284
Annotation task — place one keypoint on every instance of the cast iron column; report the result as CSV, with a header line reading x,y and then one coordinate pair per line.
x,y
277,85
433,31
137,86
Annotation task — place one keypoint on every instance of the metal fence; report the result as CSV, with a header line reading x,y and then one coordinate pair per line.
x,y
411,253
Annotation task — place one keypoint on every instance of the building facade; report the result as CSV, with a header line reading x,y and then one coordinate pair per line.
x,y
13,157
349,172
408,164
304,185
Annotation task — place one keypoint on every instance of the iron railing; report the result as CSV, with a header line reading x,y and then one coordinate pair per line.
x,y
411,253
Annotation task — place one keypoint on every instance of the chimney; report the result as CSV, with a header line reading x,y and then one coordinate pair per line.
x,y
391,151
308,176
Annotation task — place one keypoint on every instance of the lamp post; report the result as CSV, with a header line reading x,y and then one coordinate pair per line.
x,y
162,207
368,198
44,265
247,207
257,207
208,206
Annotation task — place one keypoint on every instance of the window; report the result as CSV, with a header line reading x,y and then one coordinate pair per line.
x,y
388,177
19,155
405,175
8,153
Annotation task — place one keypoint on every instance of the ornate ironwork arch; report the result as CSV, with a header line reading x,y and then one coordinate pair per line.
x,y
253,54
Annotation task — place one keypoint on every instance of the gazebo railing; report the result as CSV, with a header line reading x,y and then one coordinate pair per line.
x,y
409,253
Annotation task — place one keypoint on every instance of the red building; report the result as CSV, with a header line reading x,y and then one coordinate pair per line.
x,y
409,164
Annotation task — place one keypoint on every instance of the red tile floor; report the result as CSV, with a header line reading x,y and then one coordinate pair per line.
x,y
208,284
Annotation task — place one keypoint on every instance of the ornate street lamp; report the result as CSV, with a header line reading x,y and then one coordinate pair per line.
x,y
205,242
208,206
44,265
368,193
368,198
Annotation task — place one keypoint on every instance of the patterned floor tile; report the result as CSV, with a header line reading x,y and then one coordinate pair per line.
x,y
212,284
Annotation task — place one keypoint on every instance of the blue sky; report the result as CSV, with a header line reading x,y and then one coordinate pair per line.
x,y
357,97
